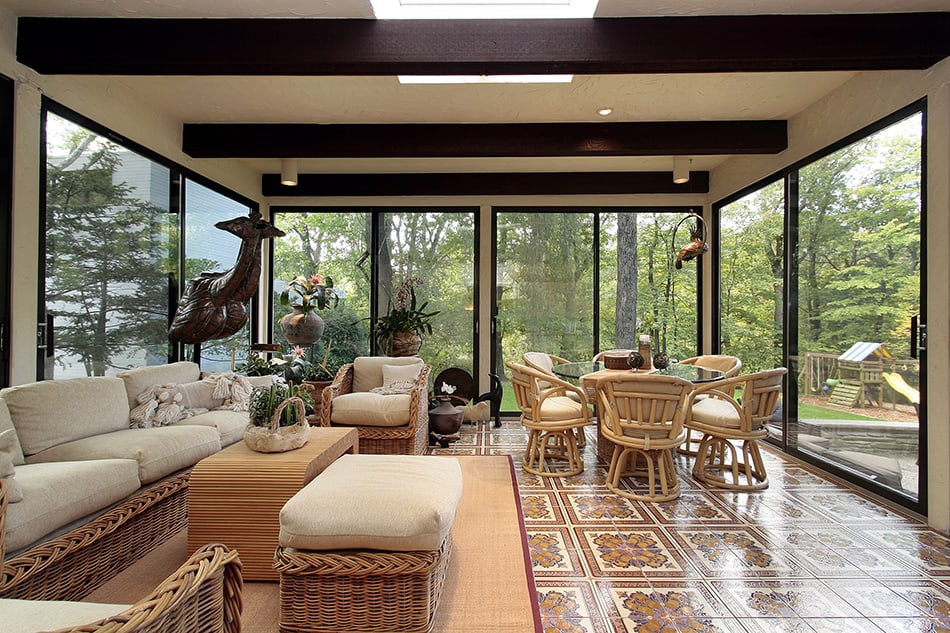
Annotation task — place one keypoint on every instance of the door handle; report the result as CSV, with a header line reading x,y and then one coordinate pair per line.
x,y
918,336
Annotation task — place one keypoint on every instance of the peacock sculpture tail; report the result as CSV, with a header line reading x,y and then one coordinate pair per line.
x,y
214,305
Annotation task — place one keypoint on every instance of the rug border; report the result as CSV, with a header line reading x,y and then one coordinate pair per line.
x,y
525,549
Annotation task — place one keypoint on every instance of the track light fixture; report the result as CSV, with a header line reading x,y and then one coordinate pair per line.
x,y
680,169
288,172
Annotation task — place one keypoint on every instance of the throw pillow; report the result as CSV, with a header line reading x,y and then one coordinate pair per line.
x,y
399,378
8,443
159,405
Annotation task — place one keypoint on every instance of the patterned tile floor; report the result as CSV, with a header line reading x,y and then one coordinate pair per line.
x,y
807,554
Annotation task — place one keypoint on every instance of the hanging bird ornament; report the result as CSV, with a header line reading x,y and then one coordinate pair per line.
x,y
697,241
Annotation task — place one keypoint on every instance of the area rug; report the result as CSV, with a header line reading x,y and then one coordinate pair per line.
x,y
489,585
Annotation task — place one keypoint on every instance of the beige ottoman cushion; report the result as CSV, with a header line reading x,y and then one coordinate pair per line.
x,y
380,502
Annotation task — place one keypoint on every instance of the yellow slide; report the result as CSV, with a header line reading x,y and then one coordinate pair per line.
x,y
896,382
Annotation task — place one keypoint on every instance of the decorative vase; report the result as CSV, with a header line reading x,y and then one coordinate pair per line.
x,y
405,344
445,419
302,328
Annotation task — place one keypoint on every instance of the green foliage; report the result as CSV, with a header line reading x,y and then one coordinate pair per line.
x,y
405,315
264,403
107,259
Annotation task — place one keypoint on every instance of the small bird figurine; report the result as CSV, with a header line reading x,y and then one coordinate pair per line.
x,y
697,246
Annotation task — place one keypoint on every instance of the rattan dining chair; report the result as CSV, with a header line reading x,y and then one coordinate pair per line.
x,y
729,366
544,362
642,416
726,419
553,419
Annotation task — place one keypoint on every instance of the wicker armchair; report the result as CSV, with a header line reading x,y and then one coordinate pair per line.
x,y
729,366
202,596
408,436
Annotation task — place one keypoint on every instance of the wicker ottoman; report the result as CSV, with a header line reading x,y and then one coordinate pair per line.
x,y
364,547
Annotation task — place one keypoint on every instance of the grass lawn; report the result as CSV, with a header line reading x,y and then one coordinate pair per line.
x,y
815,412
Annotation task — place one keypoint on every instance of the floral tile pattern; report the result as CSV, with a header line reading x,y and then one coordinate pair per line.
x,y
806,555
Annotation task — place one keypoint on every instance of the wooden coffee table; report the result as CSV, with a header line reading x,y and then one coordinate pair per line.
x,y
235,495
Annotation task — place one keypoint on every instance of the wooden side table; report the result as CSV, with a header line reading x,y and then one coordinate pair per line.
x,y
235,495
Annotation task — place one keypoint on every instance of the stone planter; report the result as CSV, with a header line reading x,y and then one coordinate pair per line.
x,y
302,328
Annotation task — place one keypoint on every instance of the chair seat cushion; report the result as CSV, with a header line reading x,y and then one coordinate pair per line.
x,y
397,503
716,412
28,616
371,409
561,408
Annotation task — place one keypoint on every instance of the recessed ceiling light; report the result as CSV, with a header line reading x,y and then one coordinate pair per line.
x,y
482,9
605,111
485,79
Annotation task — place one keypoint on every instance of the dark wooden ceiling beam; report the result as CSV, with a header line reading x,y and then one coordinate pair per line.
x,y
479,184
695,44
427,140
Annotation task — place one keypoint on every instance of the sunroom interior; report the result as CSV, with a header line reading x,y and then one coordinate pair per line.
x,y
214,116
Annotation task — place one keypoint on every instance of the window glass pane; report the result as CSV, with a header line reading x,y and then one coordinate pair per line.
x,y
544,284
330,244
109,254
209,249
751,261
436,247
858,287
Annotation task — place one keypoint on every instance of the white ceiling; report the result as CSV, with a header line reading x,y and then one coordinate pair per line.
x,y
384,100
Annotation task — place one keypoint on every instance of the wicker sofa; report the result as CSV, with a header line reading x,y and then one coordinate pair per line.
x,y
96,493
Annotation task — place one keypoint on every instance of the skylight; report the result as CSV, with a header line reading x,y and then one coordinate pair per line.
x,y
485,79
482,9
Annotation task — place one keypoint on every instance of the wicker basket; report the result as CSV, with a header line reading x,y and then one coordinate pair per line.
x,y
278,439
360,591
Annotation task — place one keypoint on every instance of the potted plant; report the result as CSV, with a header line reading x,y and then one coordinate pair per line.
x,y
278,418
318,376
305,295
400,332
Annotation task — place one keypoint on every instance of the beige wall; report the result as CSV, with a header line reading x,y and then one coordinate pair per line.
x,y
863,100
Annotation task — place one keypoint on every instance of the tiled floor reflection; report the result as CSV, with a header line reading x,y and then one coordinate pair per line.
x,y
806,555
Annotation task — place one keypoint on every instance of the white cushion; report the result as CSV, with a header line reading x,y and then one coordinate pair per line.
x,y
28,616
52,412
381,502
59,493
139,379
7,423
159,451
716,412
7,469
561,408
368,370
401,377
229,424
371,409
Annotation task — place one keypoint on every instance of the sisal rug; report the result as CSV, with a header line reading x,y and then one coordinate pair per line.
x,y
489,586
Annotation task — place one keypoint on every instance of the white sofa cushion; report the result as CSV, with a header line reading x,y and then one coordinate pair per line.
x,y
230,424
368,370
382,502
28,616
371,409
7,423
7,469
89,486
141,378
52,412
158,451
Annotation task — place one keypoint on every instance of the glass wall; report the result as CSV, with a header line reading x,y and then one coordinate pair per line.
x,y
112,266
109,255
369,254
828,256
859,283
572,282
209,249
